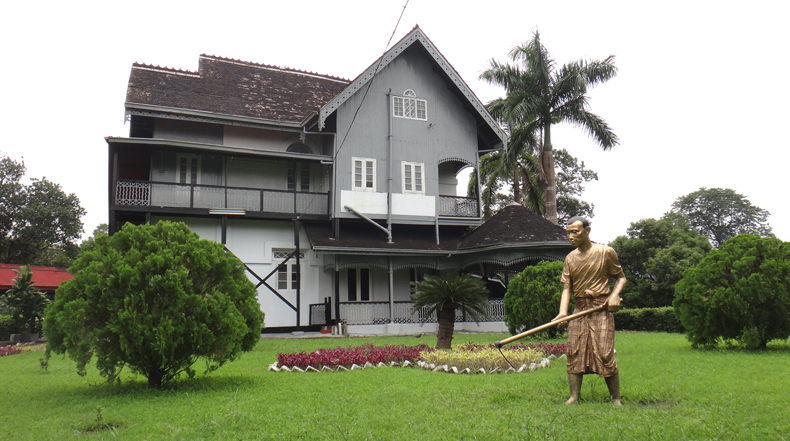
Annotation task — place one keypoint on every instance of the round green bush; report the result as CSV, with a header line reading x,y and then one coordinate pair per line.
x,y
155,298
740,291
533,297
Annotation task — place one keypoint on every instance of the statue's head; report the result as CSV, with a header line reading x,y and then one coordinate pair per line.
x,y
578,230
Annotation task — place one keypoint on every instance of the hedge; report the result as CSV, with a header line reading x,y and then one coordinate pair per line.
x,y
648,319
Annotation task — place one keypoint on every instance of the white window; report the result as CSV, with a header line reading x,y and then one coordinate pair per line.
x,y
287,277
413,174
298,176
187,169
358,284
409,107
364,174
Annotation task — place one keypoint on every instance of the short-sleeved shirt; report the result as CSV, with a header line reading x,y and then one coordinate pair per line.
x,y
591,270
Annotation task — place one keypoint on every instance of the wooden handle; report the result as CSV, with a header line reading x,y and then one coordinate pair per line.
x,y
501,343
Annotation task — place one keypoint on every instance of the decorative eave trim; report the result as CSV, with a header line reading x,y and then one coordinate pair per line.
x,y
211,117
415,35
154,142
510,262
414,252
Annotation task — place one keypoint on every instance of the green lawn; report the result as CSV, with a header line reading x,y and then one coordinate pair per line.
x,y
670,392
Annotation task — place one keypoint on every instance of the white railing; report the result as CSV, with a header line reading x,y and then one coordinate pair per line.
x,y
372,313
159,194
458,206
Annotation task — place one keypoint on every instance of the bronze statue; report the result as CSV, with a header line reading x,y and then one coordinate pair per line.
x,y
590,338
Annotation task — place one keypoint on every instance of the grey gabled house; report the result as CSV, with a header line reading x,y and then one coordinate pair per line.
x,y
336,194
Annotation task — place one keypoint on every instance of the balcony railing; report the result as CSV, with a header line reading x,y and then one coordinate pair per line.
x,y
374,313
160,194
458,206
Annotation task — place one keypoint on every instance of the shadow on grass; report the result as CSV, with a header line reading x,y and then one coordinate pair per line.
x,y
138,386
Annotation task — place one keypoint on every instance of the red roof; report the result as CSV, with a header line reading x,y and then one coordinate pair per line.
x,y
45,278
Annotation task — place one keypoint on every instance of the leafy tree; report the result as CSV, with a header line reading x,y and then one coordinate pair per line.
x,y
570,184
155,298
533,297
654,254
721,213
540,95
443,295
740,291
24,302
34,217
571,178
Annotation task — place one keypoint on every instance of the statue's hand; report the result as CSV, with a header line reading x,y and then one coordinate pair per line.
x,y
613,303
561,315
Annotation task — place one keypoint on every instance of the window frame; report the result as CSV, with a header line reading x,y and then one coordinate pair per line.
x,y
301,172
286,272
413,178
357,286
189,158
365,177
409,100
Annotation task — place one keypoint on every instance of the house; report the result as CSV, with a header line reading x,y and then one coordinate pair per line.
x,y
46,279
336,194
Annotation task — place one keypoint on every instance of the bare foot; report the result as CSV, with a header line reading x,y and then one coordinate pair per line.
x,y
617,402
572,400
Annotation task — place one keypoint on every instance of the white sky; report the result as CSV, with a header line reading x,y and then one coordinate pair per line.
x,y
700,99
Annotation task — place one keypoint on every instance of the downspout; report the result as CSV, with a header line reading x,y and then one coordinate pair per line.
x,y
389,167
389,232
392,291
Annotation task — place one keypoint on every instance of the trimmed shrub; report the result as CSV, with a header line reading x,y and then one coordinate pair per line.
x,y
6,327
740,291
648,319
533,297
155,298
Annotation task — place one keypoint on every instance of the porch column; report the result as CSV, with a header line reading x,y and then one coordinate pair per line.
x,y
392,291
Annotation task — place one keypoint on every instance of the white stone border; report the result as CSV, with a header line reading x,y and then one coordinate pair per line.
x,y
544,363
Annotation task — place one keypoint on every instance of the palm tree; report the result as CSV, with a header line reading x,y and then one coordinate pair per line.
x,y
25,302
539,95
443,296
523,175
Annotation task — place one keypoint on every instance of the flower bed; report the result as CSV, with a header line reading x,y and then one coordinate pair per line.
x,y
349,356
467,358
9,350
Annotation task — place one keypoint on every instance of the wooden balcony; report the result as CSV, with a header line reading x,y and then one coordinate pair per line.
x,y
456,206
140,194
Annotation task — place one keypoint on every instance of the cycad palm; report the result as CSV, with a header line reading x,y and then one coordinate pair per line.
x,y
25,302
539,95
444,295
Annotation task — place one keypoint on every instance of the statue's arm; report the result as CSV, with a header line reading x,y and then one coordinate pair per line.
x,y
614,297
564,301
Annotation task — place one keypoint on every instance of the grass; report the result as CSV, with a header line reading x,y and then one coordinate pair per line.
x,y
670,391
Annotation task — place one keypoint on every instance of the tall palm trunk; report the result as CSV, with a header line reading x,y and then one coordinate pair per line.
x,y
444,338
547,161
516,186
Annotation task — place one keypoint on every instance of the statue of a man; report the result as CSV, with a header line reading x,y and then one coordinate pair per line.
x,y
591,337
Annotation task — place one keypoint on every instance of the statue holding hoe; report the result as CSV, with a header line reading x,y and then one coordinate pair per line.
x,y
591,327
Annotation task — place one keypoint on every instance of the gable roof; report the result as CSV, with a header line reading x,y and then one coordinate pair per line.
x,y
44,278
224,86
416,36
515,225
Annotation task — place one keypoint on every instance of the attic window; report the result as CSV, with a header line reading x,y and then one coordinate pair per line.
x,y
409,107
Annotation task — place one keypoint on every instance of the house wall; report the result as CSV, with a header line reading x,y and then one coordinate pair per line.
x,y
252,241
449,132
187,131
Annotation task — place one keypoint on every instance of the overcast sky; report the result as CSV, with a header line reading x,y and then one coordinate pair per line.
x,y
700,99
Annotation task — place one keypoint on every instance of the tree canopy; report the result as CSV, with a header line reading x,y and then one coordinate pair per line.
x,y
653,255
496,177
538,95
721,213
34,217
155,298
740,291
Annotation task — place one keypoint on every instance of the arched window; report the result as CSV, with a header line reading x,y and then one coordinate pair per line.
x,y
409,107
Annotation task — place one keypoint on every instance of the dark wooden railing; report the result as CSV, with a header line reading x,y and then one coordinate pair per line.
x,y
163,194
458,206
